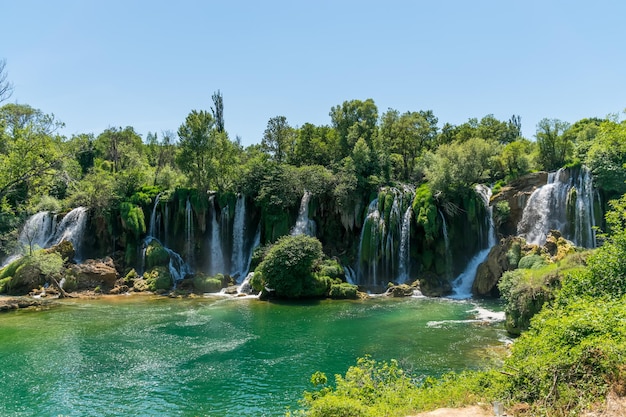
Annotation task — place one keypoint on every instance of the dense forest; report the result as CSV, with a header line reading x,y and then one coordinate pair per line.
x,y
356,176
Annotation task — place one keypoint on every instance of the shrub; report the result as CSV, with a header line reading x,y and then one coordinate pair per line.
x,y
133,219
343,291
158,279
204,283
288,266
531,262
156,255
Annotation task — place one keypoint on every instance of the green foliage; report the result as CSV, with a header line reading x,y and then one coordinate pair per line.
x,y
343,291
554,148
133,219
425,212
456,166
288,267
501,211
568,358
30,272
331,268
158,279
205,284
606,157
156,255
531,261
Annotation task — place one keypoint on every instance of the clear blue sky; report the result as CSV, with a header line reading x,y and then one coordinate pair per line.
x,y
146,64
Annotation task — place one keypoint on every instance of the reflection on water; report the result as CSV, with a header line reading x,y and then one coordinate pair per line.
x,y
146,356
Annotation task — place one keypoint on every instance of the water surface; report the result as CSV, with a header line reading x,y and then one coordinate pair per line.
x,y
145,356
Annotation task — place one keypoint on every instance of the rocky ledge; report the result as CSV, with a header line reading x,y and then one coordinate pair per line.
x,y
15,303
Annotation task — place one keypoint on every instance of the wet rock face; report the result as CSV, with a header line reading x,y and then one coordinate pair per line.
x,y
516,195
502,257
93,273
433,285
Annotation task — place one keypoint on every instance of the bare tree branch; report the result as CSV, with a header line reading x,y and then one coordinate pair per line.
x,y
6,88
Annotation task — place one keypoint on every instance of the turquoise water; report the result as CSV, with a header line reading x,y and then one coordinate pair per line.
x,y
143,356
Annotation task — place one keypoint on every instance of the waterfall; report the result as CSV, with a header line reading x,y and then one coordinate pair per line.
x,y
384,250
178,268
72,228
255,243
38,229
216,257
462,285
188,232
565,204
152,228
304,225
41,230
369,243
404,263
446,241
238,259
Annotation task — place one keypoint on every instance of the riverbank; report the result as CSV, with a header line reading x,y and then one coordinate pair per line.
x,y
16,303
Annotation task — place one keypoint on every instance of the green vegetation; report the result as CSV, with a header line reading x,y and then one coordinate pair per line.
x,y
570,357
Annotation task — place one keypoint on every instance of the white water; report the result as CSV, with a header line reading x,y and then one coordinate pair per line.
x,y
189,235
238,259
152,228
41,231
177,266
547,209
304,225
216,256
404,263
446,241
462,285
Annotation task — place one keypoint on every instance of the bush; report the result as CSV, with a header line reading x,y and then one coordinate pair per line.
x,y
158,279
204,283
156,255
343,291
531,262
133,219
289,265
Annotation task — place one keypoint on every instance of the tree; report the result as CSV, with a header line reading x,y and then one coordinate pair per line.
x,y
198,149
555,150
218,111
278,139
606,157
30,151
122,147
353,120
408,135
288,267
6,88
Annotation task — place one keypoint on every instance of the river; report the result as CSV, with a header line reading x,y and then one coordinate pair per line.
x,y
217,356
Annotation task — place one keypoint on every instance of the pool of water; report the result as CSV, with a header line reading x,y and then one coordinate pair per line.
x,y
215,356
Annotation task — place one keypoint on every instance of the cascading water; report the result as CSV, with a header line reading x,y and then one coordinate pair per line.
x,y
41,230
384,250
462,285
404,263
565,204
446,241
216,256
304,225
238,258
189,247
178,268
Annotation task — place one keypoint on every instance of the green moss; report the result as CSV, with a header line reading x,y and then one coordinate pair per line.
x,y
343,291
531,262
133,219
425,212
156,255
158,279
204,283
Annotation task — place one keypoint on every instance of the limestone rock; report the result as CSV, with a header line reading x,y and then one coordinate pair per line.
x,y
402,290
93,273
502,257
516,194
433,285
